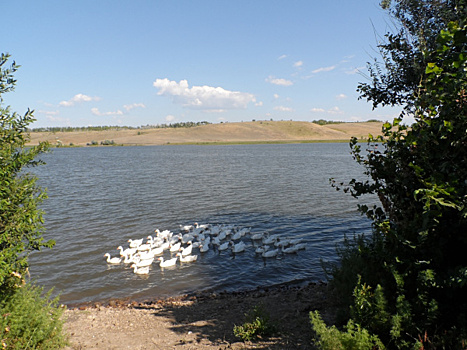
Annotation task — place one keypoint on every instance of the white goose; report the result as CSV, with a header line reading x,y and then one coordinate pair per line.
x,y
135,243
158,250
257,236
269,239
140,270
113,260
187,250
127,259
290,250
127,251
187,237
188,258
145,255
167,263
224,246
143,263
281,243
222,235
175,247
270,253
237,248
262,249
144,247
236,236
203,248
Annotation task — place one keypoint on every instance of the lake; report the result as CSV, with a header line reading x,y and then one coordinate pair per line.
x,y
99,197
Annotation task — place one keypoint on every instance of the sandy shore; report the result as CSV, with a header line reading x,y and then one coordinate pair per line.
x,y
245,132
202,321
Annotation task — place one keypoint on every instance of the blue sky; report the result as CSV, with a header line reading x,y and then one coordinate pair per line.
x,y
139,62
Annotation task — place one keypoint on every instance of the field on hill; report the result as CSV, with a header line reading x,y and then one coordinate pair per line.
x,y
244,132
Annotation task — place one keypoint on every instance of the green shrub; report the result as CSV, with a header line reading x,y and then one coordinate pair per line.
x,y
355,337
31,321
257,325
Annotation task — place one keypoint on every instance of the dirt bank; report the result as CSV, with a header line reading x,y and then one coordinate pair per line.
x,y
260,131
203,321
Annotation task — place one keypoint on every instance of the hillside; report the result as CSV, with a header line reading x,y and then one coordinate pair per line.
x,y
244,132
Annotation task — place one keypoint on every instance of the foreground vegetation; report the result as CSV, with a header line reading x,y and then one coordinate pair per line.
x,y
28,320
405,285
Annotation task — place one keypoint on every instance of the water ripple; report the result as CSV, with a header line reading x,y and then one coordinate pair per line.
x,y
101,197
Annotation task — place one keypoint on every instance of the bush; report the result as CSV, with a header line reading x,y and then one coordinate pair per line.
x,y
355,337
30,321
257,325
413,269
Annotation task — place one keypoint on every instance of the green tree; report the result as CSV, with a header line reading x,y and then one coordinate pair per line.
x,y
408,281
21,220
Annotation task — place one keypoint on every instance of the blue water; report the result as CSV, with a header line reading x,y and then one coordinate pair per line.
x,y
99,197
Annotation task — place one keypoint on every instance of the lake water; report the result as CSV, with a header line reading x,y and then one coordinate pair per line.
x,y
102,196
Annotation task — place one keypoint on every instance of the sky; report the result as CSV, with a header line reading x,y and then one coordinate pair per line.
x,y
149,62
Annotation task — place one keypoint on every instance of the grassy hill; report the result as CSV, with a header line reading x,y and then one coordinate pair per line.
x,y
244,132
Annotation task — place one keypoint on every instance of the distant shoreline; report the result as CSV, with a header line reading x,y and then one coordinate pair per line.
x,y
258,132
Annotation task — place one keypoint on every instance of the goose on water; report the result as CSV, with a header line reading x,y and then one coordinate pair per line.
x,y
144,247
216,241
127,251
186,228
269,239
143,263
113,260
145,255
188,258
290,250
187,250
282,243
222,235
135,243
257,236
203,248
262,249
127,259
167,263
140,270
158,250
187,237
175,247
300,246
270,253
237,248
236,236
224,246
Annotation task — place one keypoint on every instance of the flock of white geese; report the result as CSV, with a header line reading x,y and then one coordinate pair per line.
x,y
142,253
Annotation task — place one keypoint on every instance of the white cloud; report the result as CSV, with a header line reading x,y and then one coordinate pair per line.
x,y
341,96
333,110
169,118
133,106
276,96
281,57
50,113
78,98
323,69
96,111
298,64
355,70
259,104
278,81
283,109
317,110
203,97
